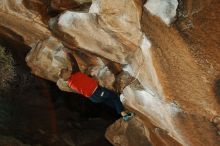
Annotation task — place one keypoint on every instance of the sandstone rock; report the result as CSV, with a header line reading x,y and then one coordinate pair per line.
x,y
185,84
174,120
100,71
195,76
147,64
132,133
48,58
101,31
123,21
175,68
123,80
136,131
190,7
165,9
72,24
28,23
91,32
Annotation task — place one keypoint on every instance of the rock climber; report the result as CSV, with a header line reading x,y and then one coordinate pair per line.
x,y
88,87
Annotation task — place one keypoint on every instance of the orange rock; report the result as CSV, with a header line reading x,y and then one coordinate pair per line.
x,y
175,67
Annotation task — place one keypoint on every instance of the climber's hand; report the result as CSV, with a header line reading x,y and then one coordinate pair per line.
x,y
70,56
64,74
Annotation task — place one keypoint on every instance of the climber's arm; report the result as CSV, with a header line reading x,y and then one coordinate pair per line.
x,y
65,73
75,67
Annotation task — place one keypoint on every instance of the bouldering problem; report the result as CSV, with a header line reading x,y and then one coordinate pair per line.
x,y
161,56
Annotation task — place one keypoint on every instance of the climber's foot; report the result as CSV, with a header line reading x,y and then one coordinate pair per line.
x,y
127,116
216,121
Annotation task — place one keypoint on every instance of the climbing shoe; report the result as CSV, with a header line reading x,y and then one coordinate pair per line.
x,y
128,116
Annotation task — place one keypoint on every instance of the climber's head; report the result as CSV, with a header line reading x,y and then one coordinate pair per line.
x,y
65,73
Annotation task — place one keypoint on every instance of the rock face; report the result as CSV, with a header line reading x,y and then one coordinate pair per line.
x,y
165,9
28,23
169,47
47,59
104,29
128,133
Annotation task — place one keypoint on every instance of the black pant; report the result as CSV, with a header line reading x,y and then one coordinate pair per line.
x,y
108,97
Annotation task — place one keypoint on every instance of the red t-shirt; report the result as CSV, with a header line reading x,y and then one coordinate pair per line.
x,y
82,84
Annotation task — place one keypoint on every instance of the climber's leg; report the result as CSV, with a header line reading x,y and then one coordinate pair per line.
x,y
96,96
111,99
107,97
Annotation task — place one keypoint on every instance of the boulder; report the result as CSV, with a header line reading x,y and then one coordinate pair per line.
x,y
126,134
28,24
164,9
103,30
49,57
165,55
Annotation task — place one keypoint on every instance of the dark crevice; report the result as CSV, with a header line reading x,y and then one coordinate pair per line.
x,y
35,111
217,89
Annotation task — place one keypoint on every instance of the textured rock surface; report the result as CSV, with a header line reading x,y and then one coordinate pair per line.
x,y
165,9
47,58
28,26
127,133
102,30
174,89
